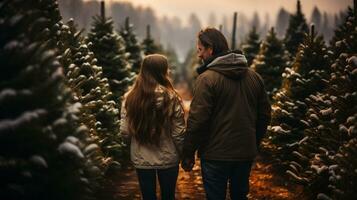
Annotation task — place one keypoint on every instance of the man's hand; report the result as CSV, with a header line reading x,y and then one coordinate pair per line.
x,y
187,164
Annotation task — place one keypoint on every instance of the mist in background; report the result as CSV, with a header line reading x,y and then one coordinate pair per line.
x,y
175,24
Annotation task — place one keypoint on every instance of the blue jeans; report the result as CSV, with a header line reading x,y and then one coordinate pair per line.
x,y
167,180
216,175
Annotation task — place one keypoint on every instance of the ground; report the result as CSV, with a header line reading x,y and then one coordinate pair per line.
x,y
265,184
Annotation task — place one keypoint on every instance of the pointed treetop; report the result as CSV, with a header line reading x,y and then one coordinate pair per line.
x,y
254,29
355,8
272,33
102,9
316,9
148,36
298,6
234,31
127,23
312,32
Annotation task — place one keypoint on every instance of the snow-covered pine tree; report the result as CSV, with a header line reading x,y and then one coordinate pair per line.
x,y
340,41
324,153
296,31
44,153
251,46
109,48
271,62
330,132
131,46
148,45
343,173
91,89
306,76
282,22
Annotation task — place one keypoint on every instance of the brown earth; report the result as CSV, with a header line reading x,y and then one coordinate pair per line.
x,y
265,184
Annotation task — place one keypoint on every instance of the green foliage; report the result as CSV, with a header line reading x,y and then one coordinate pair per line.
x,y
308,75
271,62
344,41
176,72
44,152
319,153
190,65
91,89
148,45
296,31
330,128
331,121
251,46
109,49
131,46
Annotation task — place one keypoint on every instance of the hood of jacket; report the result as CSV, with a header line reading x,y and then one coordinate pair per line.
x,y
232,64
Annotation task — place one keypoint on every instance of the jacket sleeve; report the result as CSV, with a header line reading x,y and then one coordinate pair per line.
x,y
264,114
199,115
178,129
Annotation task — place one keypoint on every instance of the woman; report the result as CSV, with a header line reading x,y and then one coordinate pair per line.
x,y
153,117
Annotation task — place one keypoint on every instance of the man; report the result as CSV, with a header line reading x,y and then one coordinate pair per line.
x,y
228,117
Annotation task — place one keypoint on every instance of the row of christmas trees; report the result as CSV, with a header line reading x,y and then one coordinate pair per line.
x,y
273,52
313,88
60,96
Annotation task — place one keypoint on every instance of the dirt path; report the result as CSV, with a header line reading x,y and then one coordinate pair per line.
x,y
189,185
264,185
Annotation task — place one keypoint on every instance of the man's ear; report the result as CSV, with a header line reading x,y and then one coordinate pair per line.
x,y
210,50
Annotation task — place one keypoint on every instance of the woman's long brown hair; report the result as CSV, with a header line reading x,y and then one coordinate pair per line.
x,y
146,120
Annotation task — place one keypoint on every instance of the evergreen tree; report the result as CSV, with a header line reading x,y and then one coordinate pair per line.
x,y
296,31
191,63
109,49
174,64
251,46
343,179
92,90
256,21
323,159
307,75
282,22
344,41
316,18
44,153
325,28
330,131
270,62
131,46
148,45
267,24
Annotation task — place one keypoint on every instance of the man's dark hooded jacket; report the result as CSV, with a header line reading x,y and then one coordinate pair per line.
x,y
229,112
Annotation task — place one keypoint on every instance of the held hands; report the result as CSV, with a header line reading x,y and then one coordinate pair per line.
x,y
187,163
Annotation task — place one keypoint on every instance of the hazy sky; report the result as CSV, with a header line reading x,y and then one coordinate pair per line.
x,y
183,8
